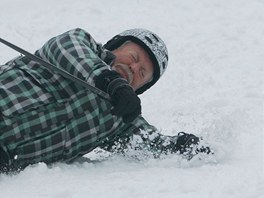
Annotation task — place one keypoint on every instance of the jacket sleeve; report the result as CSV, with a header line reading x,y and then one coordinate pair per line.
x,y
141,136
76,52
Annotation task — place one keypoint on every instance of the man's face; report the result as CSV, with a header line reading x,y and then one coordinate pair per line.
x,y
134,64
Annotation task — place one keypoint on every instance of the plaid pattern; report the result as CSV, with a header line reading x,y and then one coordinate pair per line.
x,y
47,118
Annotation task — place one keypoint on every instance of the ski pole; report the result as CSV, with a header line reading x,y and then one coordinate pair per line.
x,y
56,69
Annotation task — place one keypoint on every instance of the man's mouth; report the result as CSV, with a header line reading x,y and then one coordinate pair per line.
x,y
125,72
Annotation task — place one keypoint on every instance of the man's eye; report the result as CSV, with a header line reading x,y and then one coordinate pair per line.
x,y
142,74
134,56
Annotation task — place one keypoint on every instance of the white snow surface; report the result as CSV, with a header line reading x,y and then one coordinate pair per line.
x,y
213,87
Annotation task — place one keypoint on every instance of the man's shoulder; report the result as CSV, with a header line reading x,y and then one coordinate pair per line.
x,y
76,32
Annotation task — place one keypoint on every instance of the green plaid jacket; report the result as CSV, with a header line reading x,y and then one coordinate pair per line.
x,y
47,118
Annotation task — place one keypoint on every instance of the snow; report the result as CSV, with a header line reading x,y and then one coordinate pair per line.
x,y
213,88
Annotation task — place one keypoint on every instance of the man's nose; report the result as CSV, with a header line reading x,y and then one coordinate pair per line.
x,y
134,67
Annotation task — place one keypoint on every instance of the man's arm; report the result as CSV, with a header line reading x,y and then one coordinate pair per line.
x,y
143,136
76,52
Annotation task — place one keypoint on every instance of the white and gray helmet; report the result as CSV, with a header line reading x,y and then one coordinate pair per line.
x,y
152,43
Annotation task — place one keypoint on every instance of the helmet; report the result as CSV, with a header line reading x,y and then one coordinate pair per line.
x,y
153,45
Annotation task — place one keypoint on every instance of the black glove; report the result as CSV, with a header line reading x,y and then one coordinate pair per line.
x,y
125,101
188,145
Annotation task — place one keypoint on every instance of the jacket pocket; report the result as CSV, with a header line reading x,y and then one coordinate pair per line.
x,y
48,149
21,92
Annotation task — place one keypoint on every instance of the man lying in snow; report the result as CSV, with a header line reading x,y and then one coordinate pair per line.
x,y
45,117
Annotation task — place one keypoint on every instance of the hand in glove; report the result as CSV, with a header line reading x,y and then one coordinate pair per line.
x,y
125,101
188,145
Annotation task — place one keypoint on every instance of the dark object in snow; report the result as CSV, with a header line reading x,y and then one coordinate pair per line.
x,y
189,145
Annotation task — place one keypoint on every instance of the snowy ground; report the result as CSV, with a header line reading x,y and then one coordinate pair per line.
x,y
212,88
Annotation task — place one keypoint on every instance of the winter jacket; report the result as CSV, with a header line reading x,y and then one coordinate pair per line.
x,y
45,117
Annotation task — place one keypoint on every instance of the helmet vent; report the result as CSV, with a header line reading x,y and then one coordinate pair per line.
x,y
163,65
148,39
155,37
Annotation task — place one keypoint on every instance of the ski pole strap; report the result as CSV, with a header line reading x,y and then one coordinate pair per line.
x,y
56,69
